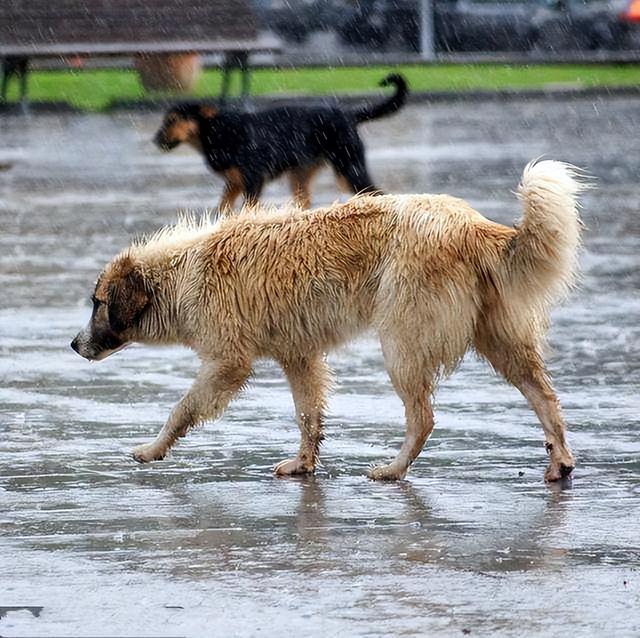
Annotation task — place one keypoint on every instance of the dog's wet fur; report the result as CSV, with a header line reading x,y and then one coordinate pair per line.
x,y
429,274
249,149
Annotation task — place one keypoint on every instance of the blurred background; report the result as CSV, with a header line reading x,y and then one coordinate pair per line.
x,y
435,27
230,47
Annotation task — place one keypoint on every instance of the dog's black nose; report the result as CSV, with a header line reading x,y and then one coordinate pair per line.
x,y
159,141
74,345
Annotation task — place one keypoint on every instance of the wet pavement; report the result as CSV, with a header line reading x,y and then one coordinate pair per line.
x,y
208,542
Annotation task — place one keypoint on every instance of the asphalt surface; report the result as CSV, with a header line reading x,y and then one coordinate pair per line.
x,y
208,542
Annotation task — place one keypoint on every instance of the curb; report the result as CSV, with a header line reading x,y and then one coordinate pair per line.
x,y
550,92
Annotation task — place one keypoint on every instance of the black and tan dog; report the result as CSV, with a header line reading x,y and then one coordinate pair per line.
x,y
249,149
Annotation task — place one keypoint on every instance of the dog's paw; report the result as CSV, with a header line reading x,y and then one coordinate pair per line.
x,y
561,464
148,452
390,472
292,466
557,471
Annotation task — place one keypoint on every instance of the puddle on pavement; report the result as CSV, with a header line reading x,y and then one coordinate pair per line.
x,y
209,539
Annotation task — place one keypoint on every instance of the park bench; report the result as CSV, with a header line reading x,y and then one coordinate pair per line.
x,y
65,28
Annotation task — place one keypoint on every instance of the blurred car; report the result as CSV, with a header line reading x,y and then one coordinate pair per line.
x,y
490,25
631,12
294,20
598,24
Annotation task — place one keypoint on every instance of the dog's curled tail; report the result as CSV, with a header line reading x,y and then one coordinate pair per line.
x,y
543,262
389,106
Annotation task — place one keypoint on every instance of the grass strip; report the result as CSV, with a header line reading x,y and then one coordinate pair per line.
x,y
96,89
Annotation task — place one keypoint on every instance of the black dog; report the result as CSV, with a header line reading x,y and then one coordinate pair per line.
x,y
249,149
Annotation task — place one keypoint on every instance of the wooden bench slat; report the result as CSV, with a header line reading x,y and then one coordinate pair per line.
x,y
58,33
131,48
47,22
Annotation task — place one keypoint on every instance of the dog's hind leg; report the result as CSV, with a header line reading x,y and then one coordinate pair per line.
x,y
215,385
309,379
229,196
412,380
523,366
357,178
350,165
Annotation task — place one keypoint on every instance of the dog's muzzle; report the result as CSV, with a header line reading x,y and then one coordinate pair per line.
x,y
96,350
83,345
163,144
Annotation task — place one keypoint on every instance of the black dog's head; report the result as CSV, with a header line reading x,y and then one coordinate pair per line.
x,y
182,124
120,298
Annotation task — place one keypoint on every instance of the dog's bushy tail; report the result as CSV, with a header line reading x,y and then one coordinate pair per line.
x,y
389,106
543,263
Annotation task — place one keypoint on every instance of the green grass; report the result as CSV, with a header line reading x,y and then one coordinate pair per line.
x,y
97,89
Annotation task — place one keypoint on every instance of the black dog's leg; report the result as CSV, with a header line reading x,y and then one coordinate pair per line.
x,y
349,163
6,72
358,179
253,185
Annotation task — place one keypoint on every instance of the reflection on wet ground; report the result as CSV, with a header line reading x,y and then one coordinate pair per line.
x,y
207,542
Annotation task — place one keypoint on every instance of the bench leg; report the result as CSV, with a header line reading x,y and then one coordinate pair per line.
x,y
18,66
246,83
243,65
5,84
236,60
226,81
23,73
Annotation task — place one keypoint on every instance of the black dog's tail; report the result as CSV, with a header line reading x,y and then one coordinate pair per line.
x,y
395,102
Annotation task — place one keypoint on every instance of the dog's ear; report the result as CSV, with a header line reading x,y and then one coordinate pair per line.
x,y
208,111
127,295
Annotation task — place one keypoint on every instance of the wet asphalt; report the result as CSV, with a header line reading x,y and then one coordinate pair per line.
x,y
208,542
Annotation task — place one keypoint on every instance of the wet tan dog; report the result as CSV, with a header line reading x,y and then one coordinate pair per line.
x,y
432,276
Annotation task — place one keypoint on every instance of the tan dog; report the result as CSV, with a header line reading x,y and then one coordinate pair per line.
x,y
432,276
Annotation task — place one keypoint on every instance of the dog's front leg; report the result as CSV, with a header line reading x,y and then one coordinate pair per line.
x,y
215,385
309,379
253,184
